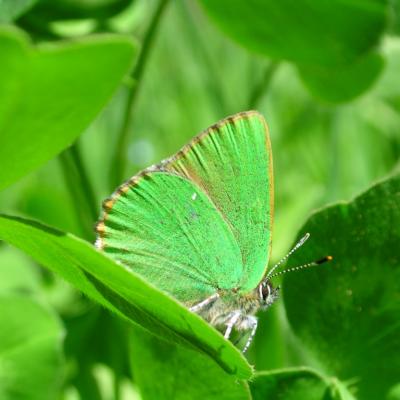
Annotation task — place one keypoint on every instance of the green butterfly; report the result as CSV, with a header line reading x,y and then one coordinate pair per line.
x,y
199,224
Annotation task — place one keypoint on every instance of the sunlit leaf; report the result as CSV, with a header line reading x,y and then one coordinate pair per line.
x,y
120,290
49,95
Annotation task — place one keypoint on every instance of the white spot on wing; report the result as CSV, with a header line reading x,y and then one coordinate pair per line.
x,y
194,196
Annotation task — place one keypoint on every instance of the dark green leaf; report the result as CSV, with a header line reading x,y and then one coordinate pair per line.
x,y
296,384
120,290
50,95
50,10
166,371
12,9
341,84
308,32
329,41
347,312
30,350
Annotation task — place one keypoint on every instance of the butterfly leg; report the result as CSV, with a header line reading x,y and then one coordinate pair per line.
x,y
250,322
234,317
208,300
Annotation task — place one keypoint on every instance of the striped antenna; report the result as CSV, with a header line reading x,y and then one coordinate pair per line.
x,y
308,265
278,264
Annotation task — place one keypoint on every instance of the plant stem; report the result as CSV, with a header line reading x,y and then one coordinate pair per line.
x,y
260,89
119,159
87,186
80,189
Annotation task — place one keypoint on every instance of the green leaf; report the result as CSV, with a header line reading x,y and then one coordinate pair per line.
x,y
17,272
295,384
331,42
30,350
308,32
166,371
347,312
120,290
342,83
49,95
12,9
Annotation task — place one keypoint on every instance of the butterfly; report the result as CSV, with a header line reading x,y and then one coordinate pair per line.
x,y
198,225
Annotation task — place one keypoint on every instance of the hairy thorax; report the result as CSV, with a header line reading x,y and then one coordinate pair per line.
x,y
218,312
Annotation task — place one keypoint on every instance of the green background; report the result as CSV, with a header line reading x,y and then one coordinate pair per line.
x,y
93,91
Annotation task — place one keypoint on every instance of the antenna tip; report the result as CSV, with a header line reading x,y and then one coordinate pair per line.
x,y
324,260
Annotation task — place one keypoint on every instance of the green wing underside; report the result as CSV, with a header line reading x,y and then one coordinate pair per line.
x,y
232,163
166,229
202,221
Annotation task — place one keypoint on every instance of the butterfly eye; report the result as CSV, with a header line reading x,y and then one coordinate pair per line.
x,y
265,291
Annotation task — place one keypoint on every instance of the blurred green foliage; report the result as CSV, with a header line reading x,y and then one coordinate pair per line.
x,y
325,74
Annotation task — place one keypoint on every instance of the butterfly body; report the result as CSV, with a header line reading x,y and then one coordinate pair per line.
x,y
218,311
199,224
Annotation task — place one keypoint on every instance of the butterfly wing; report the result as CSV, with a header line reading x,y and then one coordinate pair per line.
x,y
201,220
165,228
232,162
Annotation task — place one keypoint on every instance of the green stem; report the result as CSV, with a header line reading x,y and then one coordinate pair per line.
x,y
119,160
80,189
260,89
87,188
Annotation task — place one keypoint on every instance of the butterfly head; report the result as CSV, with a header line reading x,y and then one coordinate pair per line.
x,y
267,294
266,291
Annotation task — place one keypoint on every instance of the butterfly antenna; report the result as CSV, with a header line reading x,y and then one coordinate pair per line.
x,y
308,265
279,263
